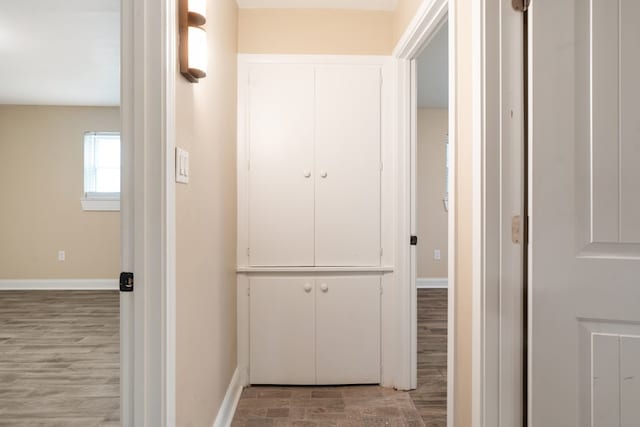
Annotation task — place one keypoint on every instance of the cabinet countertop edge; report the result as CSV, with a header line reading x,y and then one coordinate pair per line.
x,y
247,269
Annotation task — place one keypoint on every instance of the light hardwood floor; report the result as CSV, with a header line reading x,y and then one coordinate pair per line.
x,y
431,395
59,358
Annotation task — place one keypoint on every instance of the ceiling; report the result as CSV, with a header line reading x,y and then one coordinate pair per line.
x,y
433,72
60,52
319,4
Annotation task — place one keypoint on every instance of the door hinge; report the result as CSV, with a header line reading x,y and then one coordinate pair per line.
x,y
248,251
520,5
381,251
516,229
126,282
381,291
248,291
413,241
381,166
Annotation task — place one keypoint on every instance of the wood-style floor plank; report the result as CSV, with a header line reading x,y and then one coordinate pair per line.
x,y
59,358
430,398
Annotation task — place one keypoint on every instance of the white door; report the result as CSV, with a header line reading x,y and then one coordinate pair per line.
x,y
281,202
348,132
585,213
348,330
282,331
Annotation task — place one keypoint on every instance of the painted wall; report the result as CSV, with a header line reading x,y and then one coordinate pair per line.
x,y
206,227
464,213
402,16
432,218
315,31
41,182
324,31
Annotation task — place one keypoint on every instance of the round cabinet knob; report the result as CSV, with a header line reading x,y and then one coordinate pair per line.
x,y
324,287
323,174
307,288
307,173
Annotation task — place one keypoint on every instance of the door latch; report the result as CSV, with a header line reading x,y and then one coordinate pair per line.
x,y
413,241
126,282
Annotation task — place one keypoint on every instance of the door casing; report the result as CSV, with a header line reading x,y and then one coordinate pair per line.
x,y
495,39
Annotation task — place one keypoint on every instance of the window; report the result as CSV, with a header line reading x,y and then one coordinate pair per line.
x,y
101,171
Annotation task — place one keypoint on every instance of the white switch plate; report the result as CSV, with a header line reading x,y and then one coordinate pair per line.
x,y
436,254
61,255
182,166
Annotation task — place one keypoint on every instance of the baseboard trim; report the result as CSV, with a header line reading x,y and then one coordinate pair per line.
x,y
432,283
59,285
230,403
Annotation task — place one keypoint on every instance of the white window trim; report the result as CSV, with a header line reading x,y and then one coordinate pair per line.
x,y
100,203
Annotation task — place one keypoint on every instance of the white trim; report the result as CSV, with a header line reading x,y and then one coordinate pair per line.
x,y
59,285
230,402
429,18
453,206
432,283
100,204
246,269
148,202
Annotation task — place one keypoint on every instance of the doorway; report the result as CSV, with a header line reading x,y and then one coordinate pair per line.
x,y
60,224
431,220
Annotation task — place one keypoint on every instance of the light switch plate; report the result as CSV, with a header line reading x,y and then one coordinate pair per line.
x,y
182,166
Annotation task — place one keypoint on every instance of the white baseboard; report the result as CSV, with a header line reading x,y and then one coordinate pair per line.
x,y
432,283
59,285
228,408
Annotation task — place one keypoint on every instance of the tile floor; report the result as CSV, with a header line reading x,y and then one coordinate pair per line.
x,y
365,406
345,406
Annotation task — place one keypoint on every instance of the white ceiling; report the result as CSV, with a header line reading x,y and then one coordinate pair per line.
x,y
433,72
318,4
60,52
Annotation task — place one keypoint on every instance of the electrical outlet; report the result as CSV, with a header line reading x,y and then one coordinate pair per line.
x,y
436,254
62,255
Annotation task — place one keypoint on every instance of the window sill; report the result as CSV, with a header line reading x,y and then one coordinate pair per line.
x,y
100,204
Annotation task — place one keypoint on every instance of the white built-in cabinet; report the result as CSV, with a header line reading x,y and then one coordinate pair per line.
x,y
310,330
314,165
313,138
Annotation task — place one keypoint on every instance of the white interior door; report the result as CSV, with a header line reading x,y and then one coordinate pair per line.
x,y
282,330
281,200
585,213
348,132
348,330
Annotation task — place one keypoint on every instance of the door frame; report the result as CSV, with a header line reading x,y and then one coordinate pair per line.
x,y
494,43
147,315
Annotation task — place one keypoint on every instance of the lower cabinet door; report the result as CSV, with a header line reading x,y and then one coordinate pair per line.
x,y
281,324
348,330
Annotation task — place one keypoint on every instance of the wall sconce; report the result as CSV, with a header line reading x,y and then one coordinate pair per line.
x,y
193,39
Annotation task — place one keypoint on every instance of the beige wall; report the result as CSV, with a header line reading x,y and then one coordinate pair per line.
x,y
322,31
315,31
432,218
402,16
41,183
464,212
206,227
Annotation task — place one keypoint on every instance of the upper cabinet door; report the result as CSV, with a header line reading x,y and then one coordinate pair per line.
x,y
281,174
347,166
